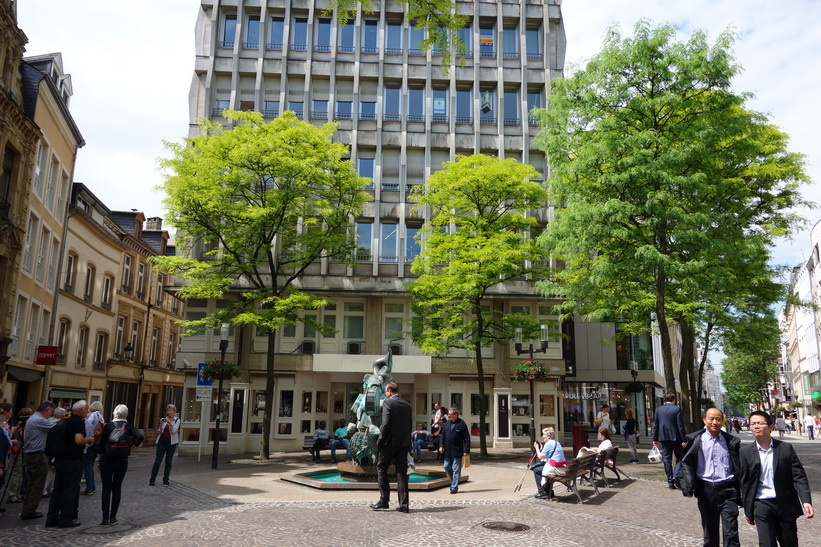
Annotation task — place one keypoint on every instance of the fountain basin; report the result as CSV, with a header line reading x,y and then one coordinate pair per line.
x,y
334,479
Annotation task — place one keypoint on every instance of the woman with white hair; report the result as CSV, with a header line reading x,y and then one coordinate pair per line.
x,y
555,464
118,440
93,419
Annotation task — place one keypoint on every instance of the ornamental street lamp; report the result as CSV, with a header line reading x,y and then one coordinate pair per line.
x,y
517,339
218,417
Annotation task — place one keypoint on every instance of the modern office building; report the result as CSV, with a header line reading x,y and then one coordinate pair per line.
x,y
402,117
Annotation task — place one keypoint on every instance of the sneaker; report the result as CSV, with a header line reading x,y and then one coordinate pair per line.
x,y
541,496
151,482
112,521
104,522
89,493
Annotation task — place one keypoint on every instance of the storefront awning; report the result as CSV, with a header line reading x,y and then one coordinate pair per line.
x,y
24,374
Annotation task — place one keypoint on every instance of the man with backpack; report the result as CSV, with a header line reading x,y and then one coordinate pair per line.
x,y
34,444
66,443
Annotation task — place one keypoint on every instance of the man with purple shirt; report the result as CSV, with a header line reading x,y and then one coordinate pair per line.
x,y
709,471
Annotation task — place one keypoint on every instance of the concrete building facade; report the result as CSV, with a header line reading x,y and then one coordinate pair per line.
x,y
402,118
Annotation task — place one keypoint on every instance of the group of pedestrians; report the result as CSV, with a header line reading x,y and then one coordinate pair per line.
x,y
765,477
72,442
394,445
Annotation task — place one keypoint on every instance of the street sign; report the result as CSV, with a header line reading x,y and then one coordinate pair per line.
x,y
200,380
203,394
46,355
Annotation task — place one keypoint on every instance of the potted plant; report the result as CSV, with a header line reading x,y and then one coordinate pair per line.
x,y
529,370
634,387
214,370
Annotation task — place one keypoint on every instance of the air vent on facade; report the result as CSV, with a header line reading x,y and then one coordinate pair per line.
x,y
396,349
308,346
354,348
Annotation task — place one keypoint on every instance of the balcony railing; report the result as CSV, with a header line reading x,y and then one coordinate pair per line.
x,y
322,48
226,44
391,117
343,115
270,113
299,47
510,55
319,115
251,45
512,121
275,45
346,49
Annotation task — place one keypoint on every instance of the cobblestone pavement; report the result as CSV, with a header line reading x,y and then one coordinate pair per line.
x,y
246,503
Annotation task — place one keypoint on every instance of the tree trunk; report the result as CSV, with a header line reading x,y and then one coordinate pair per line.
x,y
664,332
265,449
689,389
481,372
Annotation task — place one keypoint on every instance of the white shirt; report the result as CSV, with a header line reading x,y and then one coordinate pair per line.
x,y
766,486
809,421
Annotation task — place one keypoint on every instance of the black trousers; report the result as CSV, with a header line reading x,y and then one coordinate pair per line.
x,y
62,507
668,450
112,473
718,502
772,526
399,458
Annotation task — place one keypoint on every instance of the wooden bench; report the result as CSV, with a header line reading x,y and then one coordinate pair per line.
x,y
605,460
308,443
576,469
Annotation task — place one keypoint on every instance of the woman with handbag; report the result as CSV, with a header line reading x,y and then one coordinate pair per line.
x,y
631,434
167,440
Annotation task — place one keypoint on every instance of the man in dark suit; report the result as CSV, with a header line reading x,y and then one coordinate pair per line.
x,y
455,444
709,470
393,445
774,486
668,432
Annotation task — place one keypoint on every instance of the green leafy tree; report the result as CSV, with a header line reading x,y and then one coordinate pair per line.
x,y
440,19
477,238
666,178
751,361
268,200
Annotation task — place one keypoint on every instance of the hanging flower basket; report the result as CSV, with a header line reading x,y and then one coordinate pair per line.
x,y
529,370
797,404
633,387
213,370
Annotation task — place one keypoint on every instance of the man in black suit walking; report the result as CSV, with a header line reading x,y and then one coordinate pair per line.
x,y
668,432
709,470
774,486
393,445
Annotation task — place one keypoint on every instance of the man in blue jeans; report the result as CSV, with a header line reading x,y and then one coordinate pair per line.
x,y
341,441
455,444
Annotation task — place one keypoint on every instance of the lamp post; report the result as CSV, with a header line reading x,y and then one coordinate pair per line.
x,y
517,339
218,417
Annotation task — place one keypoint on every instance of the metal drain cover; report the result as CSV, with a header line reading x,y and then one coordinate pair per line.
x,y
504,526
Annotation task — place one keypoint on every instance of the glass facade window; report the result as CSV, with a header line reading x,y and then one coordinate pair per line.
x,y
252,32
299,35
229,30
297,107
323,35
466,37
510,42
370,32
346,38
344,110
364,242
367,110
277,30
439,106
393,103
353,322
582,401
270,109
412,245
393,39
464,106
533,43
487,40
511,105
415,38
389,243
534,100
319,110
416,104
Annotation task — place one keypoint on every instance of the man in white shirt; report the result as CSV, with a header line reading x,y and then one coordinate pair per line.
x,y
809,425
774,485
